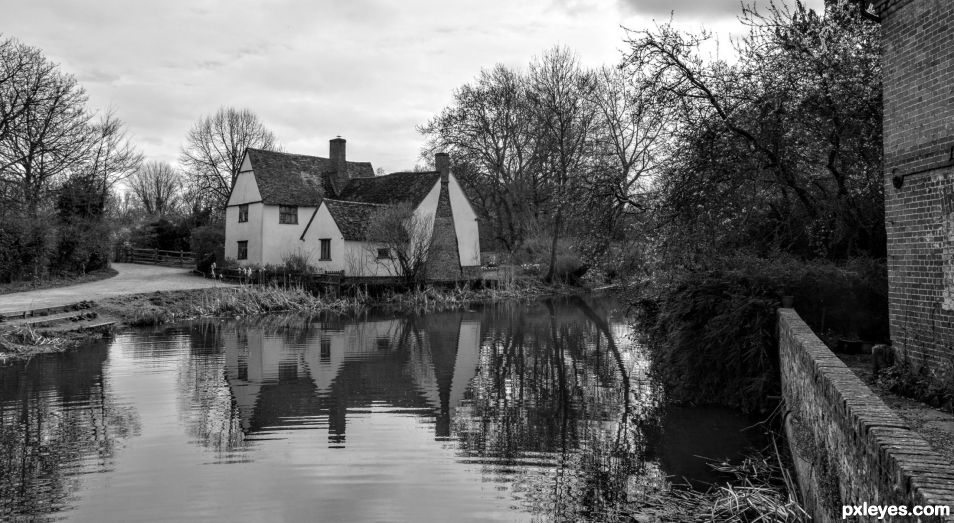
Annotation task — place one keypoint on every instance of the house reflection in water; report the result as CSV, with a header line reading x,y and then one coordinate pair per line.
x,y
316,373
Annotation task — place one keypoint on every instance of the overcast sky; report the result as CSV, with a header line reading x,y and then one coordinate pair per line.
x,y
370,71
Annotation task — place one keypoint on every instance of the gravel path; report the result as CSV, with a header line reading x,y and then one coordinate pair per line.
x,y
131,279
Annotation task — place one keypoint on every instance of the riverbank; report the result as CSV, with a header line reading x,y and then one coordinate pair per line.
x,y
161,307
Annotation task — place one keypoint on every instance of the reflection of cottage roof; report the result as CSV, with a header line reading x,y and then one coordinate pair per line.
x,y
409,187
352,217
298,179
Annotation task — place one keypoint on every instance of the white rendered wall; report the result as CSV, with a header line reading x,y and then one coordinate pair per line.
x,y
323,226
250,231
282,239
465,223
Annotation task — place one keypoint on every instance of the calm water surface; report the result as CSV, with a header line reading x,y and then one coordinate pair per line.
x,y
506,413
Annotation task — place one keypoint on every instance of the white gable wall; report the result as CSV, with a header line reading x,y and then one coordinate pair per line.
x,y
465,223
427,209
323,226
246,188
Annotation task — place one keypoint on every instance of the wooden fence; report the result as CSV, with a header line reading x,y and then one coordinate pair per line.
x,y
157,257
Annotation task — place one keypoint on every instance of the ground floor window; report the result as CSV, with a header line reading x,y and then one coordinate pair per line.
x,y
242,250
384,253
325,249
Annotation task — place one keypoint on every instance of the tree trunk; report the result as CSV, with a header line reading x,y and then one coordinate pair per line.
x,y
557,221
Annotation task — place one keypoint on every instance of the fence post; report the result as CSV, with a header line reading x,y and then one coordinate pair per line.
x,y
181,258
155,255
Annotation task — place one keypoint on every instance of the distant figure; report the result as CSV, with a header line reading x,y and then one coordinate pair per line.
x,y
212,268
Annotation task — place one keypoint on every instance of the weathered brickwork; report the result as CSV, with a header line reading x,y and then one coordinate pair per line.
x,y
918,137
443,263
857,449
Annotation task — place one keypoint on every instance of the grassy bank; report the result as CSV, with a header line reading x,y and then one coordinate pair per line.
x,y
159,308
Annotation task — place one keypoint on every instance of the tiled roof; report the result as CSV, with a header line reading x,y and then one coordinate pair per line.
x,y
298,179
393,188
352,217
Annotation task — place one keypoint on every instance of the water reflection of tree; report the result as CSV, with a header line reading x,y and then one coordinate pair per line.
x,y
57,422
551,410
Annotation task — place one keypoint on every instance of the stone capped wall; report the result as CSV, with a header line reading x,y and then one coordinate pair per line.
x,y
852,447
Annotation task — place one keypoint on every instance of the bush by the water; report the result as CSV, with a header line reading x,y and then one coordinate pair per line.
x,y
713,333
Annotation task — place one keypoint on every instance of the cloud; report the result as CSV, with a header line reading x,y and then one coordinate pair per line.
x,y
369,70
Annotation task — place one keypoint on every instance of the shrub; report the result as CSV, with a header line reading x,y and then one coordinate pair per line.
x,y
208,239
712,334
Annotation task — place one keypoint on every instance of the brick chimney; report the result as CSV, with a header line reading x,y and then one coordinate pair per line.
x,y
442,164
336,152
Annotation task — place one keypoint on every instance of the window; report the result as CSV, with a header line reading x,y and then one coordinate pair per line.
x,y
325,249
384,253
242,250
287,214
243,213
325,350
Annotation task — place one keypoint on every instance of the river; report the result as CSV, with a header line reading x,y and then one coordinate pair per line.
x,y
511,412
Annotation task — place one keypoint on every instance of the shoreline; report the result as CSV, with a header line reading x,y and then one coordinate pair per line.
x,y
163,307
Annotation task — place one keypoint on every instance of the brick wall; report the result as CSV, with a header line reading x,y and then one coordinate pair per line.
x,y
443,260
918,136
849,447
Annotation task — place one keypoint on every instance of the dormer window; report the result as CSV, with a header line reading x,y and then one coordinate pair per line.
x,y
243,213
287,214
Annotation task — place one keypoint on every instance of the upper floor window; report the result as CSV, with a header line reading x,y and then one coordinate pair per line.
x,y
325,249
287,214
243,213
384,253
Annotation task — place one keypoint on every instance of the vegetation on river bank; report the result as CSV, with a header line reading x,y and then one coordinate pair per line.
x,y
712,334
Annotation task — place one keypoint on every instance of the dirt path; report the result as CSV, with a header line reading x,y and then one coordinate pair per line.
x,y
132,279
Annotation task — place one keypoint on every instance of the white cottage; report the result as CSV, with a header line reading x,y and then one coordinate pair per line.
x,y
286,204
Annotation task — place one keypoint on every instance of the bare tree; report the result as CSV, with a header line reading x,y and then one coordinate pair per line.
x,y
157,187
400,240
112,157
633,122
489,131
212,155
44,125
560,94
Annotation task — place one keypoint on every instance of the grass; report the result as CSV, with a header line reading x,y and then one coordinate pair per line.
x,y
56,281
247,300
760,489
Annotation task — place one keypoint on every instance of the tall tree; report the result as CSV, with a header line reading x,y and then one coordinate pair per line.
x,y
212,154
44,132
112,156
782,148
488,130
560,94
157,188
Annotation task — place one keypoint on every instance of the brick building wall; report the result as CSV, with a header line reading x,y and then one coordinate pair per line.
x,y
918,84
443,260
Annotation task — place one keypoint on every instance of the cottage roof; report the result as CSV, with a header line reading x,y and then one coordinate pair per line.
x,y
298,179
352,217
398,187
